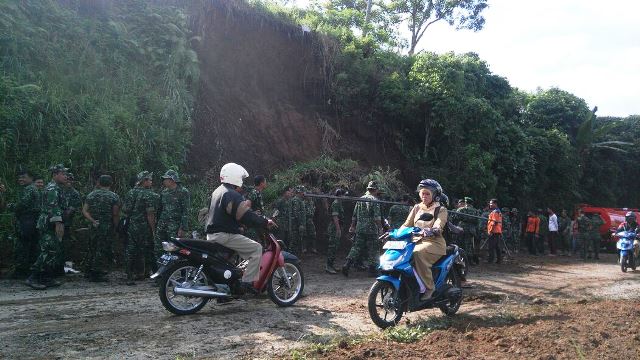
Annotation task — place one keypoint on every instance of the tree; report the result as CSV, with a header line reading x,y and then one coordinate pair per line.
x,y
556,108
420,14
372,18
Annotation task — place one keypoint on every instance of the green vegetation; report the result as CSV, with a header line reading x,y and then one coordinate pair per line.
x,y
108,87
102,88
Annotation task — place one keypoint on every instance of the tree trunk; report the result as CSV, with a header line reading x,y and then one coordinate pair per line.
x,y
427,135
366,16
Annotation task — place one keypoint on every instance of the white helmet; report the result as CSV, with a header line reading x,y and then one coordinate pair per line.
x,y
233,174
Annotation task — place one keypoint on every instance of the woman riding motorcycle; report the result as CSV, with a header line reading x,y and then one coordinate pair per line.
x,y
430,244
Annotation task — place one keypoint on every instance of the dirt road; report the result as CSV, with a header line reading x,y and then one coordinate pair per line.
x,y
109,320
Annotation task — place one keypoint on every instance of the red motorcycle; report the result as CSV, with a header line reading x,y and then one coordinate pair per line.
x,y
193,271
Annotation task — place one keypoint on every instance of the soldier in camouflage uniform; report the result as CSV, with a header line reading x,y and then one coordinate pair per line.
x,y
51,227
564,233
27,210
140,206
254,195
506,227
73,204
310,233
175,204
366,222
298,221
282,215
544,231
584,226
470,227
516,229
334,231
483,237
102,209
398,213
593,235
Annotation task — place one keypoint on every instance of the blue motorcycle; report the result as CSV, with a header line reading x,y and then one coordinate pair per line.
x,y
625,250
397,290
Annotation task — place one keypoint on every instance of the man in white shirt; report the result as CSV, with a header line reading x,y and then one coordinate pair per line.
x,y
553,232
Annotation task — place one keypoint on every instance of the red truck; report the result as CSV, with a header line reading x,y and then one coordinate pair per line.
x,y
612,218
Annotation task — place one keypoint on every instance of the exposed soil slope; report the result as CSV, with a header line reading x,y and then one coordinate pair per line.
x,y
263,96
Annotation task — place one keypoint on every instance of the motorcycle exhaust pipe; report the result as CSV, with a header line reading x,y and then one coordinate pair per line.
x,y
199,292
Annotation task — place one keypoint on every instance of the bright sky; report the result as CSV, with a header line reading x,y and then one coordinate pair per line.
x,y
587,47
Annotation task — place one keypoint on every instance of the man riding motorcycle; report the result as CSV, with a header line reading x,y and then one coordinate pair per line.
x,y
228,211
631,224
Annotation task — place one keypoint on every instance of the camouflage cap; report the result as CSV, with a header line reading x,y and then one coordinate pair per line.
x,y
171,174
372,185
143,175
460,201
70,176
57,169
505,210
468,200
515,210
300,189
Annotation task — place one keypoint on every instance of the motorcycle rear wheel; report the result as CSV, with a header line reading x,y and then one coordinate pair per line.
x,y
623,263
176,274
452,306
385,306
281,293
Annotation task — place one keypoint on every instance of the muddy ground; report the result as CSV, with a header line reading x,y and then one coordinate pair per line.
x,y
538,307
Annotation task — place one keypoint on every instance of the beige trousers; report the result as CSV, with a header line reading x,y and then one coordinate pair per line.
x,y
422,262
245,247
636,249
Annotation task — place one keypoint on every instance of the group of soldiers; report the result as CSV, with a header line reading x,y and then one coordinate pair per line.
x,y
44,219
44,216
294,214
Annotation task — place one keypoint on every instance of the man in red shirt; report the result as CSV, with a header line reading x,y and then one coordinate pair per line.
x,y
494,230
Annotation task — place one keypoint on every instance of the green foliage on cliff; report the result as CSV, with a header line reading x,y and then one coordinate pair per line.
x,y
102,87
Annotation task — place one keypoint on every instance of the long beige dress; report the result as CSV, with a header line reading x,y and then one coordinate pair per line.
x,y
429,249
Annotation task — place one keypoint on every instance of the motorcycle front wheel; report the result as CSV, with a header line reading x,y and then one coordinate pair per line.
x,y
624,263
181,274
385,306
286,284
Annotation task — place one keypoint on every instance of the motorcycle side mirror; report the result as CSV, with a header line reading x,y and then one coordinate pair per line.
x,y
426,217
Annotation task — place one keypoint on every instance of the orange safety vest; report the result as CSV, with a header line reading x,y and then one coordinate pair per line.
x,y
494,225
533,225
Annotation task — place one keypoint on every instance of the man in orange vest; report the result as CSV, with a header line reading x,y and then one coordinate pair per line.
x,y
533,231
494,231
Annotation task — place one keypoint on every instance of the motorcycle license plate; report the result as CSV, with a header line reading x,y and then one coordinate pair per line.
x,y
395,245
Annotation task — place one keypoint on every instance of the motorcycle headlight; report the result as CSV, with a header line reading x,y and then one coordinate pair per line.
x,y
170,247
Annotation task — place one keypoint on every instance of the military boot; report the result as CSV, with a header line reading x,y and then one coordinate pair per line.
x,y
346,267
49,281
329,268
33,281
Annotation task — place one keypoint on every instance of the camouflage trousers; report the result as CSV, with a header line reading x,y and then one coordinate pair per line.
x,y
364,248
295,245
25,245
310,236
164,231
332,245
590,245
468,242
99,254
50,248
139,245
